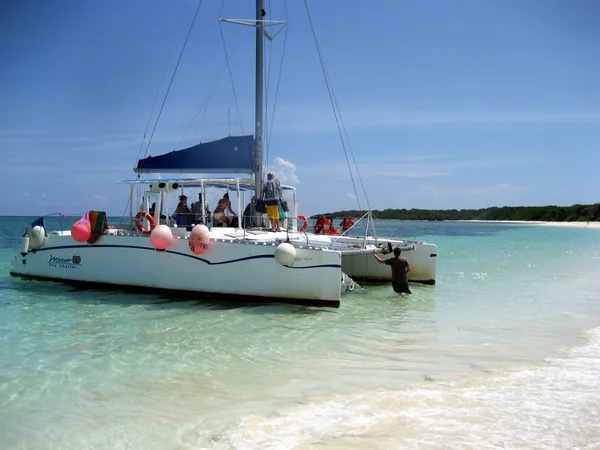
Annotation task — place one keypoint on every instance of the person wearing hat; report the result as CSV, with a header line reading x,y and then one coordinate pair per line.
x,y
272,193
183,214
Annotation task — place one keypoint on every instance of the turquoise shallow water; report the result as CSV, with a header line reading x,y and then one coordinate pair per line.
x,y
504,352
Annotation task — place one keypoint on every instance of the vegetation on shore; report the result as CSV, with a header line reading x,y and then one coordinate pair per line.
x,y
575,213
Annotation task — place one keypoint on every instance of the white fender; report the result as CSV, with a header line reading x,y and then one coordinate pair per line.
x,y
24,244
37,237
285,254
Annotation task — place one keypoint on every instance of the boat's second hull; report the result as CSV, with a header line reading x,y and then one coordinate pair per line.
x,y
360,264
422,258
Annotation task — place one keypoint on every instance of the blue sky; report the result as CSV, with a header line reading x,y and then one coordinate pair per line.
x,y
447,104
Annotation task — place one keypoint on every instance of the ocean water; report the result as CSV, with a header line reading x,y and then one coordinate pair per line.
x,y
504,352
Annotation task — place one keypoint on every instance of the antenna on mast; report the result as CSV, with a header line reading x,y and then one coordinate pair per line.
x,y
260,24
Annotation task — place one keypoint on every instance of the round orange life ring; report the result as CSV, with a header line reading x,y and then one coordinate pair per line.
x,y
138,222
304,225
328,227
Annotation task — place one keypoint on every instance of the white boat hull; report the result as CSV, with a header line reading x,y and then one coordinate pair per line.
x,y
238,268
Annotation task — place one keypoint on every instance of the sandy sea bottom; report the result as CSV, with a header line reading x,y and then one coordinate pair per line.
x,y
503,352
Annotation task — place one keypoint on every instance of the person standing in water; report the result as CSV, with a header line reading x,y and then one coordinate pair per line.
x,y
400,269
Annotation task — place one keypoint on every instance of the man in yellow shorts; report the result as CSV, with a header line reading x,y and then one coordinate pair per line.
x,y
272,193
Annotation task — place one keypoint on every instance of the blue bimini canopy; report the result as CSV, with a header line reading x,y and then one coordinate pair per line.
x,y
232,154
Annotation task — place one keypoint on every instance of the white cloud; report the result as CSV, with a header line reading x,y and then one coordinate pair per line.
x,y
469,197
315,120
431,166
482,117
285,171
99,198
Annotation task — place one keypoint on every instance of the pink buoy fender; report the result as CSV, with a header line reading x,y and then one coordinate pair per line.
x,y
161,237
81,231
199,239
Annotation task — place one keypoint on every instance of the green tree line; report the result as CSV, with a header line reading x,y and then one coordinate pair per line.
x,y
574,213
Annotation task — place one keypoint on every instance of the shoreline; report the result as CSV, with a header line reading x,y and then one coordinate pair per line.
x,y
541,223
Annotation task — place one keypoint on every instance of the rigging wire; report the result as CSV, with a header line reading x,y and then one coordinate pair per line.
x,y
162,78
237,106
267,60
270,127
338,115
172,78
203,109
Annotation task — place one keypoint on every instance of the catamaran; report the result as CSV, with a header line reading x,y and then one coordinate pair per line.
x,y
244,262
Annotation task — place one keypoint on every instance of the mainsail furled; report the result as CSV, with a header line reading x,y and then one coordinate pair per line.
x,y
232,154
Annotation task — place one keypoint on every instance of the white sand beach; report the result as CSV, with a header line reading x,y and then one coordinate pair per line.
x,y
573,224
551,224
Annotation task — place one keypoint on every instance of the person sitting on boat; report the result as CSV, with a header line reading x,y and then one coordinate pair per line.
x,y
346,223
328,227
249,212
197,210
219,215
153,209
251,217
183,214
319,224
272,193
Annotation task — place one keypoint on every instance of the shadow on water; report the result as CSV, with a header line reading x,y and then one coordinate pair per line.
x,y
374,297
50,291
7,286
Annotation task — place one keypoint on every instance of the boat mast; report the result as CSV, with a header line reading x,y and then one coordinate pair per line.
x,y
259,113
261,26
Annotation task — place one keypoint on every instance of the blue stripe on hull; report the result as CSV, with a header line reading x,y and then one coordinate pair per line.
x,y
196,258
